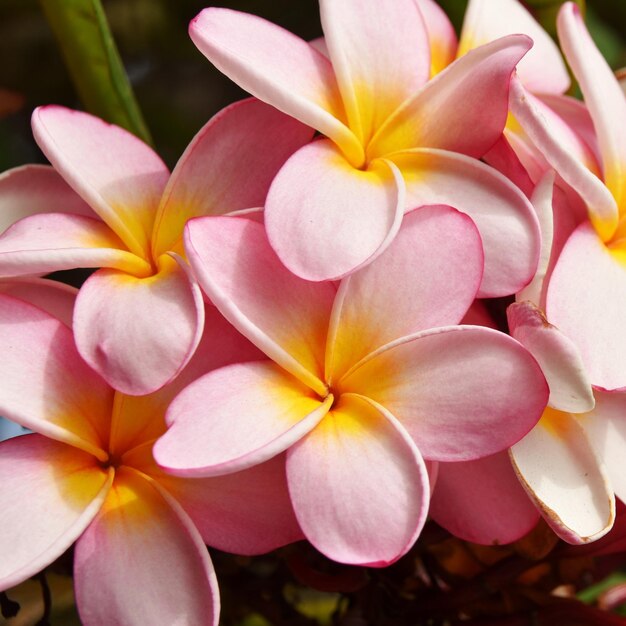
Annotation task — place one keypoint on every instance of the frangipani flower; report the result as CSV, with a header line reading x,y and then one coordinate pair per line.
x,y
367,380
88,476
139,319
393,139
557,463
586,296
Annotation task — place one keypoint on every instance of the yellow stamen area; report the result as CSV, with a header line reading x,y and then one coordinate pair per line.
x,y
556,423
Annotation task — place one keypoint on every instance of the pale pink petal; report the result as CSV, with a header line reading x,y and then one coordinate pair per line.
x,y
563,475
434,119
603,96
56,241
380,54
32,189
143,562
462,392
542,70
236,417
358,485
319,43
558,356
138,333
46,386
50,492
277,67
50,295
586,300
601,204
482,501
436,258
325,218
441,35
507,161
506,220
228,166
247,512
284,316
541,200
137,420
119,176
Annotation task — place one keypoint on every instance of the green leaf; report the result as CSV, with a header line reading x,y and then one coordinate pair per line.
x,y
545,11
94,63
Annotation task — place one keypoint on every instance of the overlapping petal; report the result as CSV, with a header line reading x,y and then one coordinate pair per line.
x,y
39,358
325,218
433,118
565,477
50,242
482,501
236,417
586,300
380,55
141,561
359,485
246,137
50,492
32,189
119,176
455,390
505,218
138,333
283,315
277,67
441,35
437,259
542,70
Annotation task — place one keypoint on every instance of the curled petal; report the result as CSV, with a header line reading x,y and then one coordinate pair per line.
x,y
143,562
565,478
356,473
326,218
50,493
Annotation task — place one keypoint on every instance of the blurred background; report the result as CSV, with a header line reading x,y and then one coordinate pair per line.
x,y
176,87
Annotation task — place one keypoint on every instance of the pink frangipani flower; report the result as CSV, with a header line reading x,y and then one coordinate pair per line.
x,y
366,381
393,140
139,319
87,476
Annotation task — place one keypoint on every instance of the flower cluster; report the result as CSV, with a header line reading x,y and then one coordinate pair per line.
x,y
284,338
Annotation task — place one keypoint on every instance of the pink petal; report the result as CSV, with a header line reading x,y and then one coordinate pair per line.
x,y
50,492
375,48
586,300
31,189
277,67
433,117
46,386
236,417
228,166
603,96
506,220
325,218
56,241
138,333
284,316
542,70
605,427
441,35
119,176
563,475
507,161
143,562
436,257
138,420
600,202
558,356
482,501
359,485
247,512
53,297
456,390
